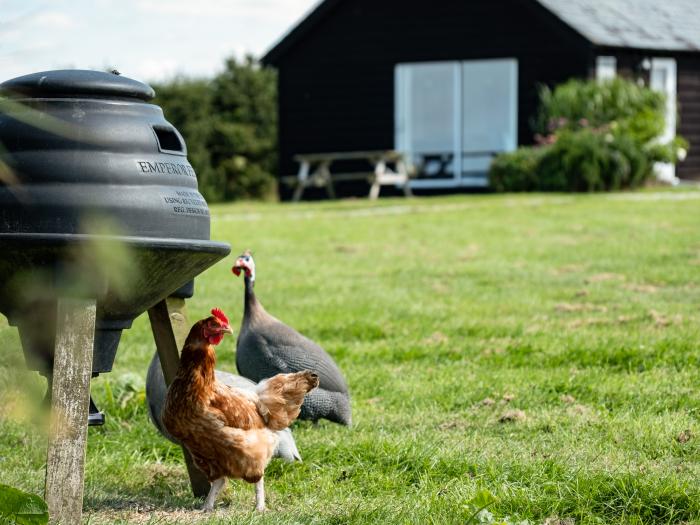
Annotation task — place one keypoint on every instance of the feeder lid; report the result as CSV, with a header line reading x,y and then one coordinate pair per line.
x,y
76,83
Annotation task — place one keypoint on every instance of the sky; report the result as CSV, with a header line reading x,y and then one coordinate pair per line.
x,y
149,40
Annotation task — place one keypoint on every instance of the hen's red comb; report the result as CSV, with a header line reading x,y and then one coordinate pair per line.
x,y
221,316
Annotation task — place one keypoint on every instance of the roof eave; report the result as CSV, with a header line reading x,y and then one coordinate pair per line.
x,y
275,54
641,49
309,19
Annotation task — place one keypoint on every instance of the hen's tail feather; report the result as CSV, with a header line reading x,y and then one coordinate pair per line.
x,y
280,397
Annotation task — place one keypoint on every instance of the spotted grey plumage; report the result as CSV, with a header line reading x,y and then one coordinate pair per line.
x,y
266,346
155,399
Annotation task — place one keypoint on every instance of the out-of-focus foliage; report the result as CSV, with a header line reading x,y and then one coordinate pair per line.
x,y
517,170
591,136
588,160
230,127
635,110
21,508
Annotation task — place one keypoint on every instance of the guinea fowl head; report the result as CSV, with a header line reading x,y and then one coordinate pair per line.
x,y
215,327
245,264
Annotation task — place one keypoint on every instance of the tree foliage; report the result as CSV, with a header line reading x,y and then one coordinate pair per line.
x,y
230,127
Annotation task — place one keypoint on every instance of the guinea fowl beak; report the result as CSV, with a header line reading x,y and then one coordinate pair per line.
x,y
239,267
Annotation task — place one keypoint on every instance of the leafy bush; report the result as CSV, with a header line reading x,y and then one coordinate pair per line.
x,y
589,161
626,107
591,136
230,127
243,142
516,171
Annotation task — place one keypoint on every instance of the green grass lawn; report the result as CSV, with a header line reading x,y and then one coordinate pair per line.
x,y
543,348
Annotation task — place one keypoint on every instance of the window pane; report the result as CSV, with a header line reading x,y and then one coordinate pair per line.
x,y
489,98
489,112
426,116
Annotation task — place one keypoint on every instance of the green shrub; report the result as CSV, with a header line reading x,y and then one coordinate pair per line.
x,y
592,137
624,106
247,181
243,142
517,170
588,161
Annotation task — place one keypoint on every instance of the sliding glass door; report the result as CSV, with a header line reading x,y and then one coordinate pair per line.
x,y
452,117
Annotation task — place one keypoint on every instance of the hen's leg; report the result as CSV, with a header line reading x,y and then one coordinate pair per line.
x,y
260,495
213,493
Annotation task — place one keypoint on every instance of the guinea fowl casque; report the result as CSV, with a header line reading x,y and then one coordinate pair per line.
x,y
230,432
266,346
156,390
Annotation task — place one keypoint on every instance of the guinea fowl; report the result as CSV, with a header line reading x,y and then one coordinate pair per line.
x,y
266,346
156,390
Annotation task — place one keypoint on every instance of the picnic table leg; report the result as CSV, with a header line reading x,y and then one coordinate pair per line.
x,y
324,173
401,169
379,170
302,181
70,396
170,328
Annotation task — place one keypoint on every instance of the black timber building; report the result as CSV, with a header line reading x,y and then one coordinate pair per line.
x,y
452,82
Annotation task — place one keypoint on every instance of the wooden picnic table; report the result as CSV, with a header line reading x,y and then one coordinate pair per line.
x,y
315,170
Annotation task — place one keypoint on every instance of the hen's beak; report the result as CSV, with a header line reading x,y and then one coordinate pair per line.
x,y
228,330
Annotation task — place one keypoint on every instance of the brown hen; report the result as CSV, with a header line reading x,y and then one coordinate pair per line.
x,y
229,432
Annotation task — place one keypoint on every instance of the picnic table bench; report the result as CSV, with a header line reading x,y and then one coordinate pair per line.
x,y
315,170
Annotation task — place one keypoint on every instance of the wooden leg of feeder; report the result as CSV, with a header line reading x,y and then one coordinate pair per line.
x,y
165,338
72,369
170,328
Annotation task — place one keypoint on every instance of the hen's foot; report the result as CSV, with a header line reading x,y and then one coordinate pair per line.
x,y
260,495
213,493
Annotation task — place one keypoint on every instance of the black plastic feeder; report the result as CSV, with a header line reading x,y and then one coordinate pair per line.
x,y
97,202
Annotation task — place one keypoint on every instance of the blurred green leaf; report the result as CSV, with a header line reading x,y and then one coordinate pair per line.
x,y
481,500
21,508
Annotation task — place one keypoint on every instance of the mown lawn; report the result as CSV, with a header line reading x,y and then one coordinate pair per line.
x,y
543,348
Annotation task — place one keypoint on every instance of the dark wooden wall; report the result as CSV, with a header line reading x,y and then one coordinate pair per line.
x,y
336,83
689,109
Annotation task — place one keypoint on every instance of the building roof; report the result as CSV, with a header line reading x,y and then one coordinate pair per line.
x,y
300,27
671,25
668,25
